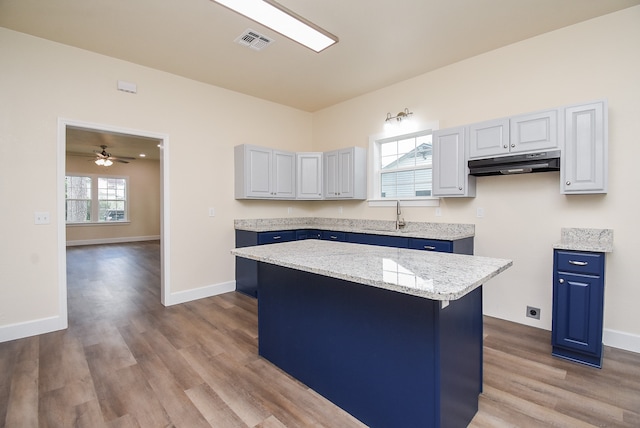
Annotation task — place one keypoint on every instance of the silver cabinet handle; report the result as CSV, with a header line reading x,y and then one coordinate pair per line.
x,y
333,237
277,237
561,281
568,183
505,146
577,263
429,247
513,145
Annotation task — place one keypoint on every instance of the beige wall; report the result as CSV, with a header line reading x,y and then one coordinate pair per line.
x,y
41,81
524,214
143,197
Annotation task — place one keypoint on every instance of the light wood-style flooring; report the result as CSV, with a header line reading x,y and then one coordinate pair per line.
x,y
127,361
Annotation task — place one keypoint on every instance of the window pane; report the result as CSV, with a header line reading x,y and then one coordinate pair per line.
x,y
77,211
112,196
405,167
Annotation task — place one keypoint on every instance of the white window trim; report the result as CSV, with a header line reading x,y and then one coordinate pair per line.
x,y
94,197
374,172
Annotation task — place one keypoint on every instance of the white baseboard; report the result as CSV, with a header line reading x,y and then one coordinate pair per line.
x,y
200,293
31,328
112,240
621,340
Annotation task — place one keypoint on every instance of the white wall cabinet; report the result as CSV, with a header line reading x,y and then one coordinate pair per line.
x,y
584,166
264,173
345,173
309,175
450,171
516,134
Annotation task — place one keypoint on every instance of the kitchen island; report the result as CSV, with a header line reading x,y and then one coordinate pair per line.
x,y
391,335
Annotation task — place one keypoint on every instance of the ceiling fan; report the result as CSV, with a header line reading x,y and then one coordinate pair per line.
x,y
105,159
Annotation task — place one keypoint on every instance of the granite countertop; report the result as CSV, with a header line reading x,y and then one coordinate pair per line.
x,y
595,240
442,231
427,274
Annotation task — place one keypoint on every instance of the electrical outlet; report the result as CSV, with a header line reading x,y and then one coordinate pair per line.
x,y
289,210
533,312
480,212
212,212
438,212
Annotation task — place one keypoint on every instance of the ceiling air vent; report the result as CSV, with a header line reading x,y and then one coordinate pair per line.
x,y
253,40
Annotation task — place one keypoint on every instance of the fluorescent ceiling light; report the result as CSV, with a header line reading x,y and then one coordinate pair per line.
x,y
280,19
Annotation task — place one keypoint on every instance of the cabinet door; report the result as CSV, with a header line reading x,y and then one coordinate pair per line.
x,y
584,158
534,131
284,175
577,312
450,171
258,173
488,139
309,176
345,173
330,163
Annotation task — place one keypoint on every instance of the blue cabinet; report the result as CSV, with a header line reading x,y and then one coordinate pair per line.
x,y
328,235
578,303
247,270
308,234
381,240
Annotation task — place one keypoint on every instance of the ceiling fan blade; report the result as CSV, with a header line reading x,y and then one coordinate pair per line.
x,y
119,160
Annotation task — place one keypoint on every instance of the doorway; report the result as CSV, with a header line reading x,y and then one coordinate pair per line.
x,y
115,139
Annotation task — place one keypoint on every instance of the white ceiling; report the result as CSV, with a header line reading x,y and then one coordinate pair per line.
x,y
381,42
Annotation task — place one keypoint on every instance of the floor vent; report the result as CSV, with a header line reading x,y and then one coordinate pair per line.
x,y
253,40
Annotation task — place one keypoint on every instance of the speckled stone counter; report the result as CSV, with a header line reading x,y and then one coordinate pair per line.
x,y
432,275
443,231
577,239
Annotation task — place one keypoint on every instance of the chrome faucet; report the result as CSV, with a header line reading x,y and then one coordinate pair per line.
x,y
399,221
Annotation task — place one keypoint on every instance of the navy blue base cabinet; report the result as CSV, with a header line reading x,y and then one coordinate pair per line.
x,y
578,302
389,359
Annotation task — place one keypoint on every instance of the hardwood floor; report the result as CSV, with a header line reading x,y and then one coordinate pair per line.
x,y
127,361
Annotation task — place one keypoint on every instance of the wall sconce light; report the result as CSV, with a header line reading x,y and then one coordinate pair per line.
x,y
406,114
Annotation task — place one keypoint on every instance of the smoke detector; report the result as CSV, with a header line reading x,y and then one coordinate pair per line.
x,y
254,40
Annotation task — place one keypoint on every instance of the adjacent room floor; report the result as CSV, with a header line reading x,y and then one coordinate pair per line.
x,y
127,361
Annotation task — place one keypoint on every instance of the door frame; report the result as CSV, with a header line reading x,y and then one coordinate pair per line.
x,y
164,206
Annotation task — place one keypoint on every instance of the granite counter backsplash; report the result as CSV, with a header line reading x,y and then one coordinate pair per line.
x,y
443,231
596,240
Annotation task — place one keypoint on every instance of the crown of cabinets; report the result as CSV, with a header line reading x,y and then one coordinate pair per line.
x,y
580,131
263,173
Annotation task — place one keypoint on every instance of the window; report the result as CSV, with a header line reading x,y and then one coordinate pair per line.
x,y
95,199
402,168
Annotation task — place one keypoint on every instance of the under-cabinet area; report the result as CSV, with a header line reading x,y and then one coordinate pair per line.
x,y
264,173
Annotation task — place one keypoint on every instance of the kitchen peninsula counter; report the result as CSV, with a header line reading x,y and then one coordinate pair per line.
x,y
391,335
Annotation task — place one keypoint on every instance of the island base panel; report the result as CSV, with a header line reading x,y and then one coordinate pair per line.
x,y
388,358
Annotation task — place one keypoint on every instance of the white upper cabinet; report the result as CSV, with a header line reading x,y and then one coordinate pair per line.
x,y
309,175
345,173
584,157
450,171
488,139
517,134
264,173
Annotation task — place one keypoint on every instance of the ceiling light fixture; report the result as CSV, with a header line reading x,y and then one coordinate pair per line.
x,y
282,20
103,162
406,114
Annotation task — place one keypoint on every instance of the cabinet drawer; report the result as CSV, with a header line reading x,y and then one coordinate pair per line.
x,y
334,236
431,245
274,237
579,262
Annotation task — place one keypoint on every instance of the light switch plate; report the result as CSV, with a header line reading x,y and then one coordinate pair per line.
x,y
42,217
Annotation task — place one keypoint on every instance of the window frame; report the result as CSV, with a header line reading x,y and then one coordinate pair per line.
x,y
375,172
95,202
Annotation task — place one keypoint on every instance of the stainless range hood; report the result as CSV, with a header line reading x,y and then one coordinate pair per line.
x,y
516,164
